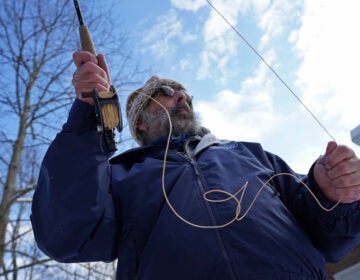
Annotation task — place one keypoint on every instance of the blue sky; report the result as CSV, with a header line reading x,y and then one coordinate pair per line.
x,y
312,45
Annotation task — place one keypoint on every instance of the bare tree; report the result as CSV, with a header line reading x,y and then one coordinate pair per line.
x,y
37,39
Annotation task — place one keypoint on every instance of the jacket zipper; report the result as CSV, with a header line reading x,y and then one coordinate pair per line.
x,y
212,217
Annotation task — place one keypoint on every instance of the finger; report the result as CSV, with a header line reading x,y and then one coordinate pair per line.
x,y
81,57
339,154
91,68
88,87
102,63
331,146
344,168
348,195
347,180
89,75
95,76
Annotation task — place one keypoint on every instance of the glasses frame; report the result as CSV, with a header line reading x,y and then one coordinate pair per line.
x,y
170,91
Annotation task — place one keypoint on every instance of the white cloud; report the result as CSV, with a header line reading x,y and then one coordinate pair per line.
x,y
273,17
160,41
185,64
244,115
192,5
216,57
327,42
221,43
327,74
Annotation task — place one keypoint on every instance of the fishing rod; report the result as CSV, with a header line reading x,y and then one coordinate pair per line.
x,y
107,103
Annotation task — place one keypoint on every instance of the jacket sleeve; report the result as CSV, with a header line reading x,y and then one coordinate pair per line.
x,y
334,233
73,215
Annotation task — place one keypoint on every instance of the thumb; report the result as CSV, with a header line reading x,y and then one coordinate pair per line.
x,y
330,147
102,63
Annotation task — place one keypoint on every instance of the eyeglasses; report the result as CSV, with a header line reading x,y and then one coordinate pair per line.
x,y
169,91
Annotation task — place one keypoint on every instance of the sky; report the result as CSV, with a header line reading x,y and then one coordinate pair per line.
x,y
312,46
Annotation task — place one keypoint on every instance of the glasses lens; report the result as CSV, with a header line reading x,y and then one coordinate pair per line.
x,y
167,90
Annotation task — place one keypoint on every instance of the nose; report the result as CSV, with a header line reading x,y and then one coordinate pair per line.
x,y
179,96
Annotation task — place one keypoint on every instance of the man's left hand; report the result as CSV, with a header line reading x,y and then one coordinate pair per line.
x,y
338,173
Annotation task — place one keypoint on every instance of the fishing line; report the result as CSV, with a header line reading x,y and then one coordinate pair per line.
x,y
271,68
230,196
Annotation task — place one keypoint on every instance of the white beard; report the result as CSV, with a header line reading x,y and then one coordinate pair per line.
x,y
157,123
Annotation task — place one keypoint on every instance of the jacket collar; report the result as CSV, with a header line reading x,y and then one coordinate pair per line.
x,y
204,140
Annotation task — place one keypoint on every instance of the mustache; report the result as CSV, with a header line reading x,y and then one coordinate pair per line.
x,y
179,107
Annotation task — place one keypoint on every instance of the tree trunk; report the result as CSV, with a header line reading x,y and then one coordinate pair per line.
x,y
9,191
37,40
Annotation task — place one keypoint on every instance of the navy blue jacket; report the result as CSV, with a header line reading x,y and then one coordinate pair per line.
x,y
87,208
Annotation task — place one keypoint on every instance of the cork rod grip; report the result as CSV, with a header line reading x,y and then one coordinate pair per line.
x,y
87,43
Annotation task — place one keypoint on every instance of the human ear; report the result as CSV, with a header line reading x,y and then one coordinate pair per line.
x,y
141,126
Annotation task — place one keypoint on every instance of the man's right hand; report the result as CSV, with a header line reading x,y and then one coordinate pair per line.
x,y
92,72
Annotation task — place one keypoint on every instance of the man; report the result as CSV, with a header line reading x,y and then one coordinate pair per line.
x,y
207,216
